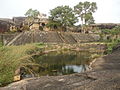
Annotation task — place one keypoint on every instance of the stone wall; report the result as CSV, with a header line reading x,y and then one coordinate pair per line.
x,y
47,37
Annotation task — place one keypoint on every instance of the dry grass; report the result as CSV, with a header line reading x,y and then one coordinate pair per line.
x,y
14,57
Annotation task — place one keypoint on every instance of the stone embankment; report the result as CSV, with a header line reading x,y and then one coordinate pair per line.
x,y
47,37
105,75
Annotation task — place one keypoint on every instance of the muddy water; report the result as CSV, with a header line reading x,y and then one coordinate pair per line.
x,y
62,63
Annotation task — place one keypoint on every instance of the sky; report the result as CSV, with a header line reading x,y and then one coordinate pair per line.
x,y
108,10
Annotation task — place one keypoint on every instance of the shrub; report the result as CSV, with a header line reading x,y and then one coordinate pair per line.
x,y
14,57
41,28
25,27
112,45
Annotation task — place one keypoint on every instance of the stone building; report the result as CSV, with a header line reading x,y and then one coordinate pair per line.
x,y
39,24
20,23
36,24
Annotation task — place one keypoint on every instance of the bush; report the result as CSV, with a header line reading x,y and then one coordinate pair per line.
x,y
113,31
1,44
25,27
110,36
41,28
14,57
112,45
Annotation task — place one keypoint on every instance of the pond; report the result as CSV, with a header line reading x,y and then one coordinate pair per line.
x,y
62,63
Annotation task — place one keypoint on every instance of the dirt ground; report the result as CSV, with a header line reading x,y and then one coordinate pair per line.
x,y
104,76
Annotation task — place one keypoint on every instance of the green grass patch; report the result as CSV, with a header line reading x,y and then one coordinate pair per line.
x,y
14,57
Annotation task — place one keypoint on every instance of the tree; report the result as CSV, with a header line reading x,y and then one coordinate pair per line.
x,y
63,15
85,11
89,18
53,24
31,15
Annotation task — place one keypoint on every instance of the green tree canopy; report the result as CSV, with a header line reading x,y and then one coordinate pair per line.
x,y
85,11
63,15
31,15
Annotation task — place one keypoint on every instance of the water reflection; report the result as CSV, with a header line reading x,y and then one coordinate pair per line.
x,y
63,62
76,69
